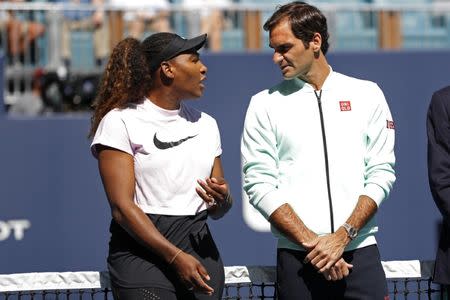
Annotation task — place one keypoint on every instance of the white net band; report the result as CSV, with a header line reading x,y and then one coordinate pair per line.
x,y
233,275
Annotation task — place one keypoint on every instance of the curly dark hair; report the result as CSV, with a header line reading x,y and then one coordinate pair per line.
x,y
126,79
305,20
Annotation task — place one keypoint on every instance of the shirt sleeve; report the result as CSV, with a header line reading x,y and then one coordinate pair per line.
x,y
112,132
260,161
438,132
380,158
218,143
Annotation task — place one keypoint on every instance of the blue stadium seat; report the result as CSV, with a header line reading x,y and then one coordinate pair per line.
x,y
178,21
233,40
82,50
419,29
351,30
354,31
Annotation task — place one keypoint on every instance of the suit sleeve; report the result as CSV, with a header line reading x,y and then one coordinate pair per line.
x,y
438,132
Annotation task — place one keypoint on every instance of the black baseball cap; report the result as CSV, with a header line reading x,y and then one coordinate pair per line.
x,y
175,47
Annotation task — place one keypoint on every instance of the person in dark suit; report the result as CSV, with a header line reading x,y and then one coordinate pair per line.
x,y
438,131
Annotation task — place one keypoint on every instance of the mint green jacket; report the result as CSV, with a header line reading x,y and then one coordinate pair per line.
x,y
320,166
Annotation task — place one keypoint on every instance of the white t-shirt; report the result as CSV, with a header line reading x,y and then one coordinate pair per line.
x,y
171,150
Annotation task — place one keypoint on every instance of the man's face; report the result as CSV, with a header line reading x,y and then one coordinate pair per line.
x,y
290,53
190,73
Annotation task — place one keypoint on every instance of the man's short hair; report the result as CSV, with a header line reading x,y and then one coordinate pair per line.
x,y
305,21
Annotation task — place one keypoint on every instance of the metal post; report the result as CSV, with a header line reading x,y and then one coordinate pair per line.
x,y
54,54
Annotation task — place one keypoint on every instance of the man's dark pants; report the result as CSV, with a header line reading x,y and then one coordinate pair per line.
x,y
297,280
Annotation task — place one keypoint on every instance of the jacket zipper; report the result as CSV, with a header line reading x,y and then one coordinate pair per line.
x,y
327,171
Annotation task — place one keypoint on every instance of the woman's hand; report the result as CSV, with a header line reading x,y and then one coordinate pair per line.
x,y
192,273
215,192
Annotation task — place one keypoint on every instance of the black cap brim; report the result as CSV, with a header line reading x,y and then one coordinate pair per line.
x,y
193,44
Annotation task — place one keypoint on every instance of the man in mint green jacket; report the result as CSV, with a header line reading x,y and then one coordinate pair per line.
x,y
318,160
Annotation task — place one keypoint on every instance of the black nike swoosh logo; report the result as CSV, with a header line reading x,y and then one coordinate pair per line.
x,y
167,145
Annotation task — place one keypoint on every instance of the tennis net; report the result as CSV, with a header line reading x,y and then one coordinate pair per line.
x,y
406,280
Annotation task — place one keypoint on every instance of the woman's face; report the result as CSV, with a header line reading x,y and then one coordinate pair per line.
x,y
190,74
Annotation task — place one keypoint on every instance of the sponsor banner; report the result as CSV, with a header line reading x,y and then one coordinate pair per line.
x,y
13,229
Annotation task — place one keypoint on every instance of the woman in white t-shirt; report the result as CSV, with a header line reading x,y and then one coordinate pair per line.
x,y
159,161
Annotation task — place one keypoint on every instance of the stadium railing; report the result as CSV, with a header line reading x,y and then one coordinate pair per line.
x,y
428,20
406,280
355,25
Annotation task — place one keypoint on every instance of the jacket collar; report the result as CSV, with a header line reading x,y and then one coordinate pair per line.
x,y
328,83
